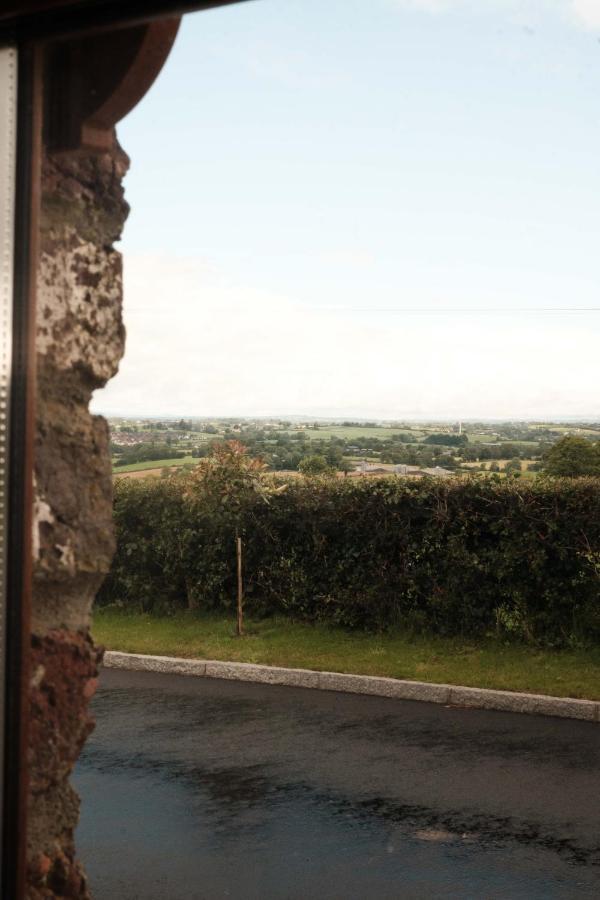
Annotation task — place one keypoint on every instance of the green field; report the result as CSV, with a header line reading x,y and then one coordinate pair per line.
x,y
491,439
569,429
279,642
350,433
154,464
482,438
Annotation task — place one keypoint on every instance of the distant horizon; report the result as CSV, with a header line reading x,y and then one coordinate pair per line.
x,y
304,417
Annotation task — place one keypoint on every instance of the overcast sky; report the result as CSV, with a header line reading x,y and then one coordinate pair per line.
x,y
367,208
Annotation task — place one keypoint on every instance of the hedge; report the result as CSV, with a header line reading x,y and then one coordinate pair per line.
x,y
456,556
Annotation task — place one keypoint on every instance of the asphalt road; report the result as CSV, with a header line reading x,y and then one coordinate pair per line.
x,y
194,788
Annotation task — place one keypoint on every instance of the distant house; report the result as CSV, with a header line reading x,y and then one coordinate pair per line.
x,y
370,468
403,469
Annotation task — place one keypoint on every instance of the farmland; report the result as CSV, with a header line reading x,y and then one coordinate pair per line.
x,y
155,464
352,433
349,446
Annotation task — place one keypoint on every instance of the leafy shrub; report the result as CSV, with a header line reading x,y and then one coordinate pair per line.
x,y
468,556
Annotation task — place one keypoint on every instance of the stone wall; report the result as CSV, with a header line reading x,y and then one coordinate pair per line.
x,y
80,339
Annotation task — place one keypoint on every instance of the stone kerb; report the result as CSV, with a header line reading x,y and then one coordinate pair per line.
x,y
445,694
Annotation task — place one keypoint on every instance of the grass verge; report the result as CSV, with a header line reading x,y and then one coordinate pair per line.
x,y
280,642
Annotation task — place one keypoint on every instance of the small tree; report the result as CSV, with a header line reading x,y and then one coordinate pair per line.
x,y
314,465
227,484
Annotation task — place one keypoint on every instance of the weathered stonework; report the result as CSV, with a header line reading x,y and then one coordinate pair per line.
x,y
80,340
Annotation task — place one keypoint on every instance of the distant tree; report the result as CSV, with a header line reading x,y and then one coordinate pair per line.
x,y
447,440
314,465
148,451
572,457
513,465
426,458
511,451
334,456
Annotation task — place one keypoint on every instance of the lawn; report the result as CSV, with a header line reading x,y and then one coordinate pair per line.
x,y
154,464
280,642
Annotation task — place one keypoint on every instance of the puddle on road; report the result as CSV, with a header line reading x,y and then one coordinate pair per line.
x,y
258,794
151,837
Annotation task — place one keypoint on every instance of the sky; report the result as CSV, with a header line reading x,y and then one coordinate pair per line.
x,y
367,208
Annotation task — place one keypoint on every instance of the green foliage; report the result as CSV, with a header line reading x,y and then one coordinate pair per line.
x,y
314,465
447,440
573,456
279,641
146,452
226,481
469,556
513,465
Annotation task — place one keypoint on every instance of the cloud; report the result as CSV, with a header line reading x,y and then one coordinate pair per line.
x,y
585,12
199,344
588,12
432,6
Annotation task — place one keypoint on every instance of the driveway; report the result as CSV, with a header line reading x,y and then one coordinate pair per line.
x,y
194,788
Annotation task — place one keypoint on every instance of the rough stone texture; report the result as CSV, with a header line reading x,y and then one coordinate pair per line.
x,y
80,339
538,704
140,662
384,687
262,674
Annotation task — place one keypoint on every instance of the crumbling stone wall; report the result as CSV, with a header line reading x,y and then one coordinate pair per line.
x,y
80,339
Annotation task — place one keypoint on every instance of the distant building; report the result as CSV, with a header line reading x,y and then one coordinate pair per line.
x,y
370,468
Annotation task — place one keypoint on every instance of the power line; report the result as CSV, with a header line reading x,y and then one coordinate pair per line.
x,y
429,311
512,309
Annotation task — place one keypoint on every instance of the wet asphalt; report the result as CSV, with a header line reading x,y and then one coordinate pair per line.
x,y
193,788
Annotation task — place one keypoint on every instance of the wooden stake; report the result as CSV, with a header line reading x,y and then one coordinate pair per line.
x,y
240,595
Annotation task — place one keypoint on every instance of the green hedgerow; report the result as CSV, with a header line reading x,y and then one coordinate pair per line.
x,y
469,556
